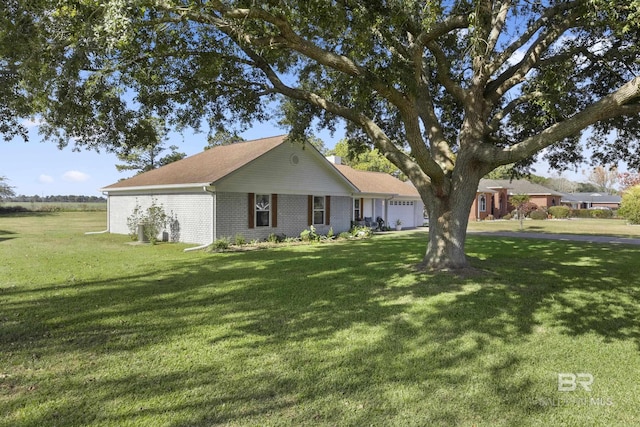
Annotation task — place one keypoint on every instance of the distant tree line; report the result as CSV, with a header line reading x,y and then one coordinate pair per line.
x,y
55,199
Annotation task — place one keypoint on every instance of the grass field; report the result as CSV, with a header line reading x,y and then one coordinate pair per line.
x,y
609,227
96,331
57,206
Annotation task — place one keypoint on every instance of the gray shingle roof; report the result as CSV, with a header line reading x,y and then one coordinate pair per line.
x,y
591,197
518,186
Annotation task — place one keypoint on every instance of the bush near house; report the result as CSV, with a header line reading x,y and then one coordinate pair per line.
x,y
581,213
630,205
601,213
528,207
538,214
560,212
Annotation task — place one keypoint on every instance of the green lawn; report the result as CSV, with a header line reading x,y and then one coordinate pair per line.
x,y
96,331
608,227
57,206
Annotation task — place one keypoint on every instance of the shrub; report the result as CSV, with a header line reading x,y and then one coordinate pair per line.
x,y
330,233
344,235
361,232
538,215
528,207
630,205
507,216
309,235
276,238
239,240
581,213
154,219
560,211
221,244
601,213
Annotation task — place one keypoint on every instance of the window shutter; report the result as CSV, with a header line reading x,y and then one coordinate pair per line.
x,y
252,210
361,209
274,210
309,210
327,210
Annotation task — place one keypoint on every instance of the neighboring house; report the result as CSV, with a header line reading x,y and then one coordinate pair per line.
x,y
591,200
492,198
489,203
253,188
382,195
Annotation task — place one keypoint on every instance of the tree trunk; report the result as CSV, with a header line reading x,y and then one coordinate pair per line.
x,y
448,220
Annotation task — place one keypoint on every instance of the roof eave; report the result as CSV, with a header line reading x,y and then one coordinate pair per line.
x,y
155,187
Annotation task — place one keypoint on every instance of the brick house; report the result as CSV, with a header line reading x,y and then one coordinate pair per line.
x,y
252,188
492,198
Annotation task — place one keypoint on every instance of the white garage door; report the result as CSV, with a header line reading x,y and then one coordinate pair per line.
x,y
403,210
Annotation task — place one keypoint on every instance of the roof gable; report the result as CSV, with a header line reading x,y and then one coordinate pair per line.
x,y
369,182
206,167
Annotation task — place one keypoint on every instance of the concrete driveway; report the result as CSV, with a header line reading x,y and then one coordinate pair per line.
x,y
560,237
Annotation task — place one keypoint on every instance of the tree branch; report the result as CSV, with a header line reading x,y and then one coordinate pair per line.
x,y
515,74
443,67
621,102
497,25
531,31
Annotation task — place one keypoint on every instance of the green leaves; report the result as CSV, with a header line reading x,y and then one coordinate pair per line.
x,y
630,205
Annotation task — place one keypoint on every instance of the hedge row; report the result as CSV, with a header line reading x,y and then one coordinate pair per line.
x,y
562,212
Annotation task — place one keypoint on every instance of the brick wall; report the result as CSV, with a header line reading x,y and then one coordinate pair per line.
x,y
192,213
233,208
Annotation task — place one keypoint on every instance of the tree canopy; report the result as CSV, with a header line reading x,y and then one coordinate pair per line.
x,y
147,153
446,90
628,180
222,137
367,160
6,190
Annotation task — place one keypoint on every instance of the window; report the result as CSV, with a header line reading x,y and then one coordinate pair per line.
x,y
482,202
356,209
263,210
318,209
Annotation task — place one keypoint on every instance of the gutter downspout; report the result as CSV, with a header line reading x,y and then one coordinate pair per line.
x,y
214,203
108,218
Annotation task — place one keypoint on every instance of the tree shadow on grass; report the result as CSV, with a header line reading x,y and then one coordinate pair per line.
x,y
7,235
326,334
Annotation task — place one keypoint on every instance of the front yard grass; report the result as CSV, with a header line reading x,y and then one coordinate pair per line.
x,y
98,332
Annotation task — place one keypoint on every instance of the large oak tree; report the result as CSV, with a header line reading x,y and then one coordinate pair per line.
x,y
447,90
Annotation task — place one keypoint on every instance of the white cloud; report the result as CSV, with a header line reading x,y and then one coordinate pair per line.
x,y
29,123
45,179
75,176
